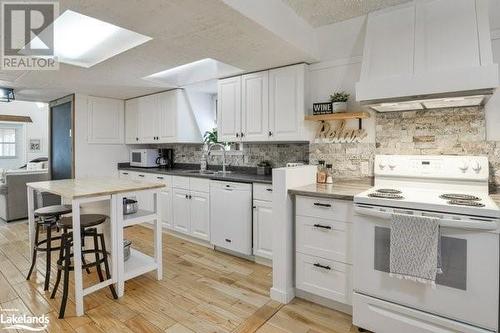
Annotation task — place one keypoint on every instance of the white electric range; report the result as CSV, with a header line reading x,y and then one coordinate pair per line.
x,y
466,295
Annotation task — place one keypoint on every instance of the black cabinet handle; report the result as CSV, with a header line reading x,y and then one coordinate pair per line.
x,y
125,173
242,135
322,266
160,178
228,240
269,189
237,135
136,139
187,196
322,204
141,176
270,133
322,226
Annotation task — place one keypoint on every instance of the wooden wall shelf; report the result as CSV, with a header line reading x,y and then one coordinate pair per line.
x,y
339,116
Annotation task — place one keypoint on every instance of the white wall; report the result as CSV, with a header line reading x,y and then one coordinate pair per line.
x,y
94,160
38,129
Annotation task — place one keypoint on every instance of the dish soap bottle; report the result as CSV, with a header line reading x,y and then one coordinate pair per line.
x,y
321,173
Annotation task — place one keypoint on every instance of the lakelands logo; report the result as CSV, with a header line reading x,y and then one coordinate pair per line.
x,y
11,319
28,35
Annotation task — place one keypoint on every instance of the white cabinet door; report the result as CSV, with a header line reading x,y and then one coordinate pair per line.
x,y
229,109
449,43
199,215
390,29
167,117
148,119
255,106
181,210
166,208
132,121
262,229
105,120
145,200
286,103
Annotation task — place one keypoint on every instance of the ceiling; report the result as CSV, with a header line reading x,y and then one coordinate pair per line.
x,y
182,30
322,12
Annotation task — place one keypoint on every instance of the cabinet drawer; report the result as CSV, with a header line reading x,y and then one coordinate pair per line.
x,y
324,238
338,210
199,184
159,178
263,192
125,174
217,184
326,278
180,182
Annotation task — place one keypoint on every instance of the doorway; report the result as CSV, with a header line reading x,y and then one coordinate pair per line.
x,y
61,138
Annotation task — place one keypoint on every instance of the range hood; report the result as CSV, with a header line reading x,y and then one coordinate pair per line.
x,y
428,54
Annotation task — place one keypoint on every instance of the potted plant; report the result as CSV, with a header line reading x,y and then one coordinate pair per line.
x,y
339,101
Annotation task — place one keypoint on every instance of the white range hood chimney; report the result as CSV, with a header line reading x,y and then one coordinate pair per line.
x,y
428,54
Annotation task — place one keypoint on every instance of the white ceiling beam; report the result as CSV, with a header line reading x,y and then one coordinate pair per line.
x,y
280,19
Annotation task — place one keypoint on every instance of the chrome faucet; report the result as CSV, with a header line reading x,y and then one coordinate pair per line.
x,y
221,146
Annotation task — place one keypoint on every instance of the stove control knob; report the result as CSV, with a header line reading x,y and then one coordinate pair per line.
x,y
464,166
381,165
476,167
392,165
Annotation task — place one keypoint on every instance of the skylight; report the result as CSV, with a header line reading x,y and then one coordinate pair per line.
x,y
84,41
194,72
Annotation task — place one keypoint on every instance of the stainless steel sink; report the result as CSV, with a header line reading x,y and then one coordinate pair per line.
x,y
199,172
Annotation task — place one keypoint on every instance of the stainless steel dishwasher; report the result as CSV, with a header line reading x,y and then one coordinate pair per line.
x,y
231,216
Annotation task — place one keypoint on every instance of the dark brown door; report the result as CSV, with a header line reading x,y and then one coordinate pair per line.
x,y
61,141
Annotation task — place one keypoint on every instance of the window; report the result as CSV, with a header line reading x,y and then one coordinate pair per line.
x,y
7,142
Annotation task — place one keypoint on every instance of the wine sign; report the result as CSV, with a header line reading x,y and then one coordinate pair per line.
x,y
341,134
322,108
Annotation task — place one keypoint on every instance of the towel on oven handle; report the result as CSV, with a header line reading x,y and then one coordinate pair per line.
x,y
415,248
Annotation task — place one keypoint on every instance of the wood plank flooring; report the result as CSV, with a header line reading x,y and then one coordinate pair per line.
x,y
202,291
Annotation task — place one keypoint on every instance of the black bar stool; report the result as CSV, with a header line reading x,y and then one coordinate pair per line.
x,y
46,217
88,222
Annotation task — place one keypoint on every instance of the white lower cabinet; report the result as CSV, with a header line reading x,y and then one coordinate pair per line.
x,y
323,258
191,207
262,229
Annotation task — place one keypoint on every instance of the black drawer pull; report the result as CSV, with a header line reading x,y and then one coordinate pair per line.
x,y
125,173
269,189
141,176
322,226
160,177
322,204
322,266
228,240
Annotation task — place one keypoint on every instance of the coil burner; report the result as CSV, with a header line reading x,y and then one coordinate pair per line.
x,y
386,195
455,196
469,203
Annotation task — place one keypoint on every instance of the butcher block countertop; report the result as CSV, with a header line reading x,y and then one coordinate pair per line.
x,y
92,187
340,189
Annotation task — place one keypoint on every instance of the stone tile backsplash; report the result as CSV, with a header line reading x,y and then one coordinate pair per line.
x,y
454,131
250,155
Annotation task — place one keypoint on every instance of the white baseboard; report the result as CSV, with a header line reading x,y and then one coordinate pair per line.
x,y
263,261
345,308
282,297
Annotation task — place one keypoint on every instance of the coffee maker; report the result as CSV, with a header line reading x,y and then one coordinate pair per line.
x,y
165,158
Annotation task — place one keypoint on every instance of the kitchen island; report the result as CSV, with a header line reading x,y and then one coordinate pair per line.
x,y
84,191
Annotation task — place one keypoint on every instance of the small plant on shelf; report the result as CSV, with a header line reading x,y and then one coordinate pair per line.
x,y
210,136
339,101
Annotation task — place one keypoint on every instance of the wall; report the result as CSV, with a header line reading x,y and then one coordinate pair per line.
x,y
249,156
38,129
94,160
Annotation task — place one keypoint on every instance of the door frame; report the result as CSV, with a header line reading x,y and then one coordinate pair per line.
x,y
63,100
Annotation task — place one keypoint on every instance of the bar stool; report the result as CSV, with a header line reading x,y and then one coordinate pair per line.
x,y
47,217
88,222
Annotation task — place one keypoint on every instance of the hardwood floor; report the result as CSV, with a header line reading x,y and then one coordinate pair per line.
x,y
202,291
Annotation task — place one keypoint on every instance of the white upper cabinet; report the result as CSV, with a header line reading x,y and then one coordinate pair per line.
x,y
105,118
255,106
229,109
264,106
287,107
161,118
131,121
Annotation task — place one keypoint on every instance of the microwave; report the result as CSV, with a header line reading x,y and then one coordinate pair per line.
x,y
143,158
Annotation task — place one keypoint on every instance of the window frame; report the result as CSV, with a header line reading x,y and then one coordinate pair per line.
x,y
15,143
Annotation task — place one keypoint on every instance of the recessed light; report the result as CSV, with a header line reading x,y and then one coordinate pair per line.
x,y
194,72
85,41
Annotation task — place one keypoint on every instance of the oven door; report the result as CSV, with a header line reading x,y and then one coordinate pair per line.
x,y
466,291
